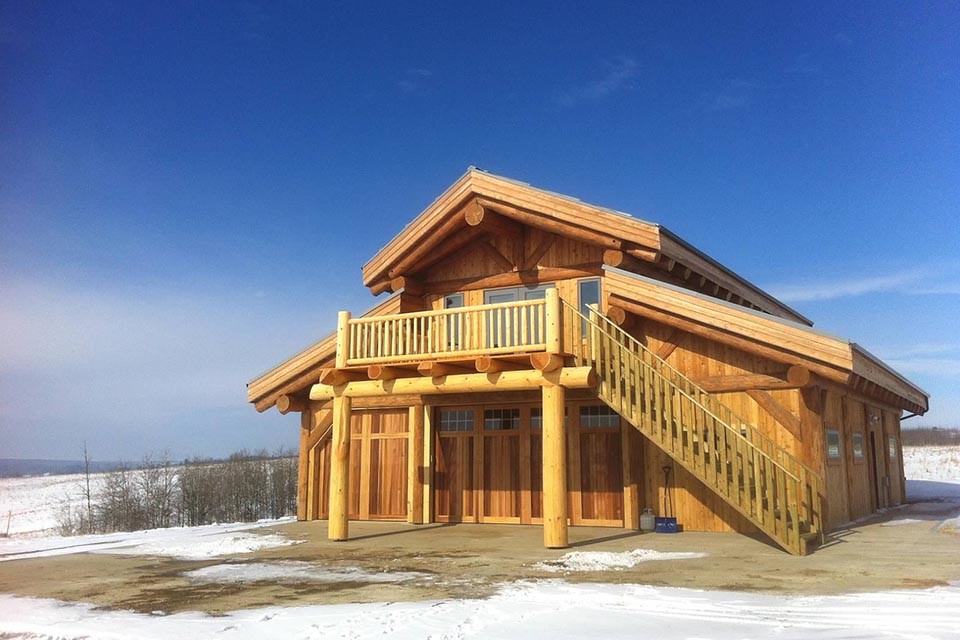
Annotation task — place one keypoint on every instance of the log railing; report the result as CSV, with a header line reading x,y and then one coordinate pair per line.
x,y
492,329
760,479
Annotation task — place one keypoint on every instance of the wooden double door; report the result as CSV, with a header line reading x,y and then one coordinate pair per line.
x,y
379,449
487,465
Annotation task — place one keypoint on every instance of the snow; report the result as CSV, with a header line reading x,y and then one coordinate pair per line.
x,y
939,464
534,609
189,543
33,503
293,571
607,560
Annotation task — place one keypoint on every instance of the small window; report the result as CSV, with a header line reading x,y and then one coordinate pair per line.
x,y
453,301
598,416
892,447
858,445
833,444
456,420
589,294
501,419
536,418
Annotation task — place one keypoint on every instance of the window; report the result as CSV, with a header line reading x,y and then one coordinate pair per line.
x,y
598,416
536,418
456,420
589,293
833,444
858,445
453,301
497,323
892,447
501,419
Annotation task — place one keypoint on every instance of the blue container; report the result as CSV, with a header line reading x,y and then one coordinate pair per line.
x,y
665,525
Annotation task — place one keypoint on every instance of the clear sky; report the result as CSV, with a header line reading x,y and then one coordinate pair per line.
x,y
188,190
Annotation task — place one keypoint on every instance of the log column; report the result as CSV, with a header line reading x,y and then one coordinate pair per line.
x,y
415,471
340,469
554,468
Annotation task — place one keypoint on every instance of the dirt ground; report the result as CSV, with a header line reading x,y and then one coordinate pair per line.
x,y
472,560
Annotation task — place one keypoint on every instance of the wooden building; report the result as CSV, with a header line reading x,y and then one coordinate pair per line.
x,y
541,360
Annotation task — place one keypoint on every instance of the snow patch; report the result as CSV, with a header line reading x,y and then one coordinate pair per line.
x,y
608,560
293,571
537,610
188,543
897,523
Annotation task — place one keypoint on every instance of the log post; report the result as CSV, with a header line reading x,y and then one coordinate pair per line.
x,y
428,456
340,469
343,339
415,470
303,461
554,468
553,320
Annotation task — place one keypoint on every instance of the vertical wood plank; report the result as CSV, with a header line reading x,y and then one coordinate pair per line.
x,y
415,467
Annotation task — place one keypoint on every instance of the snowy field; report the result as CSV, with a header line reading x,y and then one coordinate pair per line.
x,y
31,505
527,609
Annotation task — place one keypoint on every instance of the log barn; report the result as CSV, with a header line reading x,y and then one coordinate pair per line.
x,y
540,360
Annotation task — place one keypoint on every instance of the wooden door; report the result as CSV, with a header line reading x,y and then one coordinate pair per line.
x,y
598,469
453,473
500,483
378,464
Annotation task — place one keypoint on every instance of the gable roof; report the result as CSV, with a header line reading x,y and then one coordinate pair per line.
x,y
607,227
831,357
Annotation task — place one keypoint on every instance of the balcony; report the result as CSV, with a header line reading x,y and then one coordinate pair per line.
x,y
505,329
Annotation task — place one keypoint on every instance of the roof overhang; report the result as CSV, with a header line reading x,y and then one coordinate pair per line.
x,y
830,357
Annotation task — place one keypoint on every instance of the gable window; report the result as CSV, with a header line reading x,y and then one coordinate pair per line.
x,y
833,444
858,446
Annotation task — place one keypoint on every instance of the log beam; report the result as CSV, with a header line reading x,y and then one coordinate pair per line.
x,y
384,372
623,260
777,411
488,364
622,318
795,377
528,379
546,361
546,223
338,526
337,377
436,369
286,404
409,285
554,471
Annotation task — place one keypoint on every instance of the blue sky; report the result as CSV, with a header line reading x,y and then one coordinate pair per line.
x,y
187,192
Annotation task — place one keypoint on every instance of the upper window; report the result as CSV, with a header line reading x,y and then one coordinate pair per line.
x,y
589,294
858,445
501,419
453,301
456,420
833,444
598,416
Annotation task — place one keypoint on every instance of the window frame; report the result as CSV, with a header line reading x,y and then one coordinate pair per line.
x,y
858,456
838,458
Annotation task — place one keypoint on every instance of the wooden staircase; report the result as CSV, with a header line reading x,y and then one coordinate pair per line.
x,y
760,479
